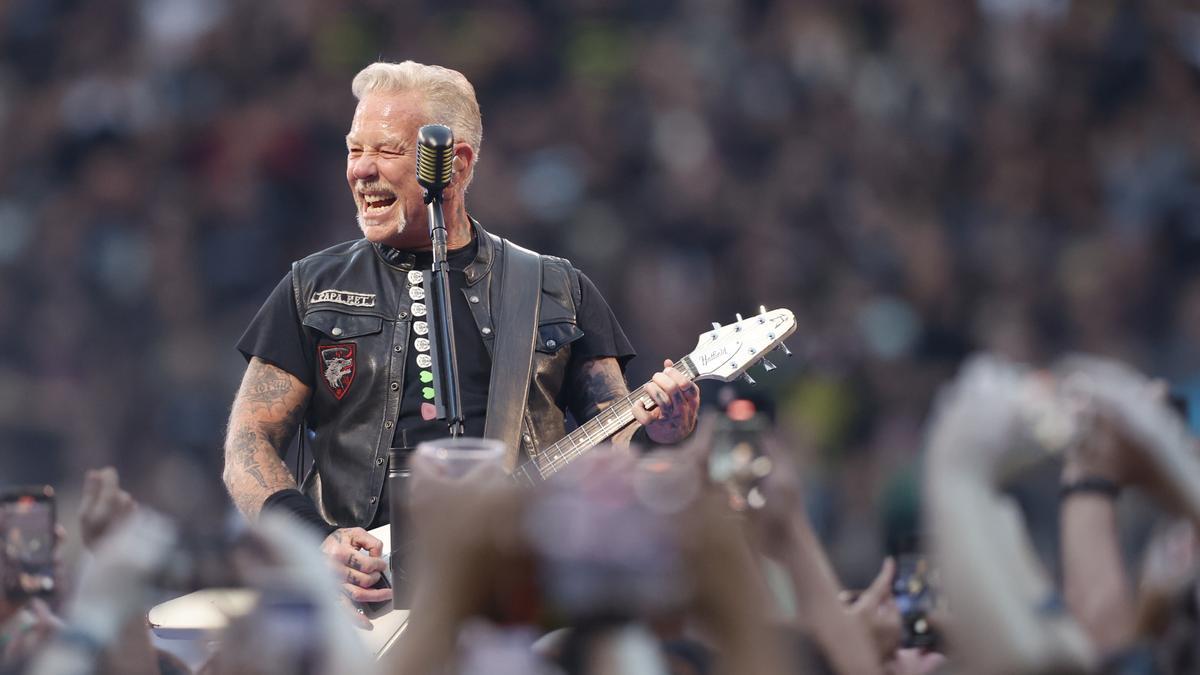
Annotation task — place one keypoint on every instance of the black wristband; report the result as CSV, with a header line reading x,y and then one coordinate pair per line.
x,y
1090,485
299,505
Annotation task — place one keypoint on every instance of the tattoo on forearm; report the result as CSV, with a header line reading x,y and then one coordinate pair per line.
x,y
597,382
265,415
243,445
266,387
280,433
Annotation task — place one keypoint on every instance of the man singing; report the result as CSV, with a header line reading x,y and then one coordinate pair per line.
x,y
341,347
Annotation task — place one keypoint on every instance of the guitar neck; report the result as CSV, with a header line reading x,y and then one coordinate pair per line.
x,y
616,416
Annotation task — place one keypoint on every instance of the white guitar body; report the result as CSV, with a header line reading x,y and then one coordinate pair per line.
x,y
724,353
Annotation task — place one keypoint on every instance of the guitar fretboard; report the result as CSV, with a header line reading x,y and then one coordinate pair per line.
x,y
616,416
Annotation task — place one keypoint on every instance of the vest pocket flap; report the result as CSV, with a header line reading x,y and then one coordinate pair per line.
x,y
340,326
552,336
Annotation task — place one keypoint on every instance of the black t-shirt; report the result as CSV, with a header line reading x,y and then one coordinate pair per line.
x,y
474,363
276,335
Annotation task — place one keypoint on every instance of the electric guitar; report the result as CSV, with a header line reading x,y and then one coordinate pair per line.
x,y
723,353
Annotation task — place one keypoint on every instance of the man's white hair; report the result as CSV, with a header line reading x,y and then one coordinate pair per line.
x,y
448,96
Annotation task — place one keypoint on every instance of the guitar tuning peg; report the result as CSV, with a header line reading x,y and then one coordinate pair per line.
x,y
716,324
739,317
768,366
749,380
783,348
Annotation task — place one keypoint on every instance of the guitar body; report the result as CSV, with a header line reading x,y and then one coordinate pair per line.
x,y
203,614
724,353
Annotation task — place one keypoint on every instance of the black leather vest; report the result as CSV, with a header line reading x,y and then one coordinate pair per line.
x,y
350,297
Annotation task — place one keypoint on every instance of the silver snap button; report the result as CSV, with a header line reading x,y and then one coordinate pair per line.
x,y
403,315
395,386
527,439
387,425
373,499
379,460
399,348
486,331
336,331
551,343
474,299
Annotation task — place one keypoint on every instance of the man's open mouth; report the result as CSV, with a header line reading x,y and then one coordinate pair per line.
x,y
377,202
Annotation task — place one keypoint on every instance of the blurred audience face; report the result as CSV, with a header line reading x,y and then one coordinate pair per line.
x,y
381,169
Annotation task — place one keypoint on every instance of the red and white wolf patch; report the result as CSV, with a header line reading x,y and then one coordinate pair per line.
x,y
338,362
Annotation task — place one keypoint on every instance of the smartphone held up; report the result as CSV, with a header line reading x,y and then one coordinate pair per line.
x,y
27,517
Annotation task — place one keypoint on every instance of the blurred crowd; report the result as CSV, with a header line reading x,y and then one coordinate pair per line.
x,y
648,563
915,179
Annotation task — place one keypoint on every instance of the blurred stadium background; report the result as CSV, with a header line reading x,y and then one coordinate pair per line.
x,y
916,179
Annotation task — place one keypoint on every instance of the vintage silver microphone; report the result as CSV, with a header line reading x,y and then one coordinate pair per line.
x,y
435,155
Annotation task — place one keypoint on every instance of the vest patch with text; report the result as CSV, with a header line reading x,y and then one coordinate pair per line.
x,y
348,298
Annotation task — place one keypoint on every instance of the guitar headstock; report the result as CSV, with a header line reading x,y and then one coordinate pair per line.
x,y
725,352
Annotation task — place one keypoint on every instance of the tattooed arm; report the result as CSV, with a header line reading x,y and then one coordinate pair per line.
x,y
594,385
265,414
264,417
597,382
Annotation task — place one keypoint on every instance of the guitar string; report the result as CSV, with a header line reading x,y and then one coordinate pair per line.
x,y
556,456
619,412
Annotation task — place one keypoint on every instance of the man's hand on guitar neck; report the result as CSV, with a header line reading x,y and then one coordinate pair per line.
x,y
357,560
676,399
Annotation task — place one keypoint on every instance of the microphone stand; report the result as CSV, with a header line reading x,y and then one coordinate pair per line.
x,y
447,395
434,172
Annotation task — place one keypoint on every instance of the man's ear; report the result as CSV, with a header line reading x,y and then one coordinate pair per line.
x,y
464,161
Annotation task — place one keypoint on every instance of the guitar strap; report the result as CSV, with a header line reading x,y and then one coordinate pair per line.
x,y
515,315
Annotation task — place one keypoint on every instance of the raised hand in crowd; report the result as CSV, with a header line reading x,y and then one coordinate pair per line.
x,y
1096,586
665,545
298,624
1006,616
1132,438
468,550
843,631
1136,439
105,620
103,505
875,608
728,594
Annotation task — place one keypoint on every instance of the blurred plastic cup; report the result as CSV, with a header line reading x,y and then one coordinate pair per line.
x,y
456,457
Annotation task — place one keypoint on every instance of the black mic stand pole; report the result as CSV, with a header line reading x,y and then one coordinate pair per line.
x,y
448,395
435,147
447,398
